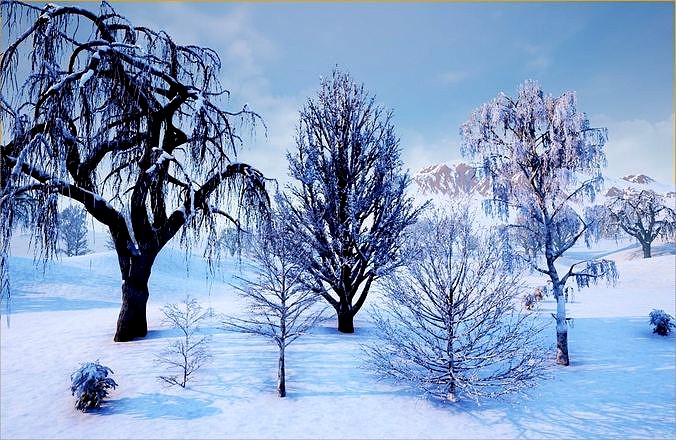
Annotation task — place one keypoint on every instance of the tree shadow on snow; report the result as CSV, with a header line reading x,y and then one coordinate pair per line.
x,y
41,303
620,383
164,333
160,406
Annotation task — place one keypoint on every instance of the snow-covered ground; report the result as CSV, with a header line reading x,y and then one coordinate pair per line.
x,y
621,382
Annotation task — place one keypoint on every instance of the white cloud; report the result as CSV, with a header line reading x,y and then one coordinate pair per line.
x,y
244,52
418,150
639,146
452,76
538,57
268,154
230,31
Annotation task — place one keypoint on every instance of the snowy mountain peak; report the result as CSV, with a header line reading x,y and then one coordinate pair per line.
x,y
636,183
638,178
449,180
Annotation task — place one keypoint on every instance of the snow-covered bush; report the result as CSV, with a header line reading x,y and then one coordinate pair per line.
x,y
90,385
662,321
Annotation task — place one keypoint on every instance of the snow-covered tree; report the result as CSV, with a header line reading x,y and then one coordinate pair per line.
x,y
643,215
452,323
280,306
190,351
90,385
73,231
542,158
349,207
128,123
234,241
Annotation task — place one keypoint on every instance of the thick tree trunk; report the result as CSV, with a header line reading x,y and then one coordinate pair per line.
x,y
281,374
647,252
131,323
346,321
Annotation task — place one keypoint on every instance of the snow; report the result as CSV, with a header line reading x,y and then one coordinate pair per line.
x,y
621,382
85,77
637,182
164,157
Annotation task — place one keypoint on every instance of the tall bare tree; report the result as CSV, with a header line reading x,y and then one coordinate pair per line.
x,y
281,308
349,207
128,123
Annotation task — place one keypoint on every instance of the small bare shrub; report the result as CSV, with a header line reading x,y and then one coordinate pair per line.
x,y
188,353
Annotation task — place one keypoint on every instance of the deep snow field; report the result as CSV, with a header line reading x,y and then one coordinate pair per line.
x,y
621,382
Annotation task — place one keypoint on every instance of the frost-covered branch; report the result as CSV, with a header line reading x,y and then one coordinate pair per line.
x,y
185,355
643,215
280,306
451,324
549,157
349,206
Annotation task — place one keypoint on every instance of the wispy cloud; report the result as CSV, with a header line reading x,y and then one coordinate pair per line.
x,y
230,31
452,76
419,150
639,146
244,51
538,57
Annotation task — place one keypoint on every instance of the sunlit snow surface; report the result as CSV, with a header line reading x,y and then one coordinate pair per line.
x,y
621,382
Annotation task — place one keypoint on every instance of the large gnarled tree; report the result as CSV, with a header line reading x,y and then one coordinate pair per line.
x,y
128,123
643,215
349,208
543,160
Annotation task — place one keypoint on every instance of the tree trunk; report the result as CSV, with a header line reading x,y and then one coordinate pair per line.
x,y
647,253
281,374
131,323
346,322
561,328
562,348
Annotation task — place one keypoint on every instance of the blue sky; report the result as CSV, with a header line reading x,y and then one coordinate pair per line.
x,y
432,64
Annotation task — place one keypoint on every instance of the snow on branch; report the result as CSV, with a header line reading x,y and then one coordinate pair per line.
x,y
127,112
543,160
280,307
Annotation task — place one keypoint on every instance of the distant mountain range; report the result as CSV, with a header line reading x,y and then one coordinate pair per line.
x,y
450,180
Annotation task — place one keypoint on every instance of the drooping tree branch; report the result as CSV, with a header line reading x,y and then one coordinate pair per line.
x,y
540,154
125,121
643,215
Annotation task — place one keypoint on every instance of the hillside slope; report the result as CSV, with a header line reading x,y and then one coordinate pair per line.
x,y
621,382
